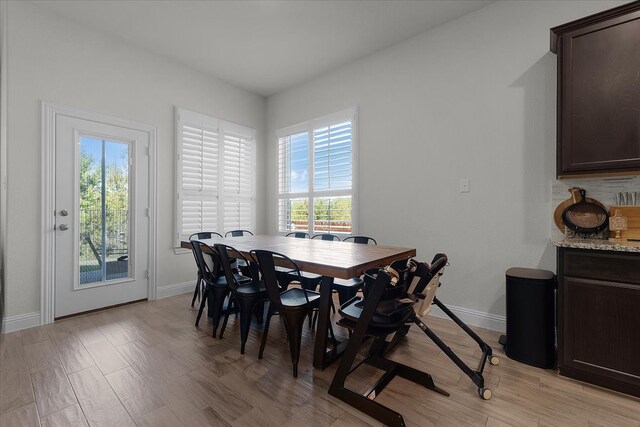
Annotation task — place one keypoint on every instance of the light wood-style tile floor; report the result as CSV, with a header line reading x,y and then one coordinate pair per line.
x,y
147,365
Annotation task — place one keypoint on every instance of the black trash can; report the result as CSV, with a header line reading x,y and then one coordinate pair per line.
x,y
531,337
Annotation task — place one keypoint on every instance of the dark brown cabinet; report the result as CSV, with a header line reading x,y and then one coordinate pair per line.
x,y
599,318
598,124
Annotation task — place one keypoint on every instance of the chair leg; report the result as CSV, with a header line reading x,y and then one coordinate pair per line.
x,y
219,294
247,305
203,302
196,292
293,322
259,311
232,300
265,332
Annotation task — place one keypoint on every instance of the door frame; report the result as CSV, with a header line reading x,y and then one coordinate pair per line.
x,y
48,197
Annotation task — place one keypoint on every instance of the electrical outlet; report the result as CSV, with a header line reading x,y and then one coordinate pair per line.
x,y
464,185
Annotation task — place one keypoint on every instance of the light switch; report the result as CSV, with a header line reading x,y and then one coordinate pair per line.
x,y
464,185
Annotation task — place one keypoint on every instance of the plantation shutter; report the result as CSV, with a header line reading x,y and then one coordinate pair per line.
x,y
332,157
198,155
284,183
332,172
239,171
316,169
215,174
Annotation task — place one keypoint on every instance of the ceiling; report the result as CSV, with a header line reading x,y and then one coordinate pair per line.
x,y
263,46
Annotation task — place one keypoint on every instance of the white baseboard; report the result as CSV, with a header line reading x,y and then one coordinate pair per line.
x,y
21,321
177,289
471,317
475,318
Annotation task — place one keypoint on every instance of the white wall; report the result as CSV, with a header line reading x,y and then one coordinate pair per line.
x,y
56,60
473,98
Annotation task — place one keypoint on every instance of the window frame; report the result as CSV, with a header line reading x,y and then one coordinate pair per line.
x,y
349,114
184,116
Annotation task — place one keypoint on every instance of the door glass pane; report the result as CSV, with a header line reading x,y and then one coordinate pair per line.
x,y
104,210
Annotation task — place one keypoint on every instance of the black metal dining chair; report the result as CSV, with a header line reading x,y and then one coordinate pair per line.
x,y
309,281
326,236
199,284
366,240
247,294
216,289
240,264
298,234
293,304
237,233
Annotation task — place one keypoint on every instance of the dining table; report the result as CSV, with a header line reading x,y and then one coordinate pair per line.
x,y
330,259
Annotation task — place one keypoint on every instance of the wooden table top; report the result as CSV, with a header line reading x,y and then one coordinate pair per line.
x,y
343,260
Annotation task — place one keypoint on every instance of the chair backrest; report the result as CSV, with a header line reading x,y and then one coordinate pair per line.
x,y
267,261
237,233
199,236
204,235
208,272
428,284
226,254
360,239
436,269
326,236
298,234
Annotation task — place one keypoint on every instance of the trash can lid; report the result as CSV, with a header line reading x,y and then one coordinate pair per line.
x,y
530,273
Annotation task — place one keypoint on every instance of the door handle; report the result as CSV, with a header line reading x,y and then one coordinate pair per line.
x,y
63,227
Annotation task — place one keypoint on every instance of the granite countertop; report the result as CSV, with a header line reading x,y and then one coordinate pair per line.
x,y
595,244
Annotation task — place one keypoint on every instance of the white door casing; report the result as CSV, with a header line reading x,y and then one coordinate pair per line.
x,y
62,292
77,291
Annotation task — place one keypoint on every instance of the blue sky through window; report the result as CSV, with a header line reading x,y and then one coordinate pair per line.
x,y
299,168
116,153
332,159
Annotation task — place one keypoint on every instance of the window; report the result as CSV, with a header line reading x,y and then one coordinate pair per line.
x,y
316,171
215,175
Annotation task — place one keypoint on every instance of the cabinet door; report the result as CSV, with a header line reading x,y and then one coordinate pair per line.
x,y
601,333
599,97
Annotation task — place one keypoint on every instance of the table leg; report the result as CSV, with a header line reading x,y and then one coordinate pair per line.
x,y
321,356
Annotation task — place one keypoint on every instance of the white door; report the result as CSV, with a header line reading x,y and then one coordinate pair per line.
x,y
101,215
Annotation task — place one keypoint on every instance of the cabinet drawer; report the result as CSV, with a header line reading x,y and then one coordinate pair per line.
x,y
608,266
